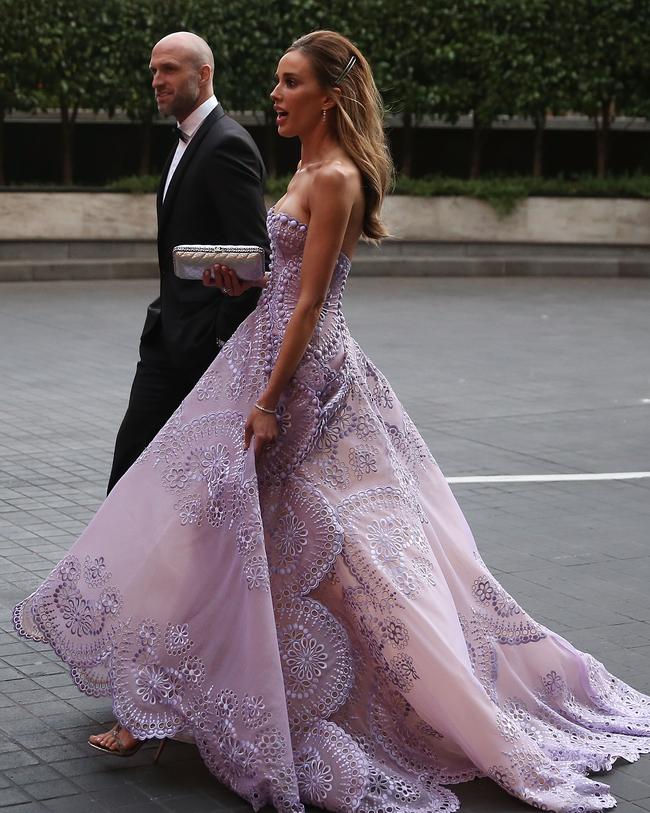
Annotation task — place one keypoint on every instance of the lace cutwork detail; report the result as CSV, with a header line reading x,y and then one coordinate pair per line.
x,y
316,661
383,546
319,619
303,537
330,765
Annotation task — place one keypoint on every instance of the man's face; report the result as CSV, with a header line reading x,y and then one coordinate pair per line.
x,y
175,80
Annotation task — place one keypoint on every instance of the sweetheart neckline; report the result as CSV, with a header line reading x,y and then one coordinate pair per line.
x,y
291,217
306,225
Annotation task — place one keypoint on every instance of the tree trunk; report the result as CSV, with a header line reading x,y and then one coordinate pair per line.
x,y
145,148
3,180
67,124
271,158
538,144
603,127
478,138
406,165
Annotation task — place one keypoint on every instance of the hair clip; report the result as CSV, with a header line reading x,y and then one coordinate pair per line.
x,y
346,70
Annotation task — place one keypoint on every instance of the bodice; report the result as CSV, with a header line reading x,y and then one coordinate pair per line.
x,y
326,351
287,236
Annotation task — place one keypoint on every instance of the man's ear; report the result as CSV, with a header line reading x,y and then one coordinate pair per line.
x,y
205,73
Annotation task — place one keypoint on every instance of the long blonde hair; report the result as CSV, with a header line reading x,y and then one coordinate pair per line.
x,y
358,116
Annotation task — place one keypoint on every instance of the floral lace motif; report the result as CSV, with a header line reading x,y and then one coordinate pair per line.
x,y
320,622
303,537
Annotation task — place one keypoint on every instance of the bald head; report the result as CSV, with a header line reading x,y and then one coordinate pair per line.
x,y
189,46
182,66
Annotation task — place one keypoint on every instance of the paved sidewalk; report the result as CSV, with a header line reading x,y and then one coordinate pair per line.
x,y
515,376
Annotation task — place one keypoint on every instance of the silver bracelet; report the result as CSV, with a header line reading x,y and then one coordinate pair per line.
x,y
264,409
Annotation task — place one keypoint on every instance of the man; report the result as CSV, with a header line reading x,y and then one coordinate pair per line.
x,y
211,191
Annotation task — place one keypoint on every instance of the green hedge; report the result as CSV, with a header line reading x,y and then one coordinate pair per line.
x,y
504,194
137,184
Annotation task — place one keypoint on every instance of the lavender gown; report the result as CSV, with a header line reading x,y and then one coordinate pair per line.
x,y
323,626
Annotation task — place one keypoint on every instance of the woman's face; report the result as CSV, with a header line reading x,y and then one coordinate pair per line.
x,y
298,98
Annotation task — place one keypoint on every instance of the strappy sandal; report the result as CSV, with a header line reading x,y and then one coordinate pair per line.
x,y
116,749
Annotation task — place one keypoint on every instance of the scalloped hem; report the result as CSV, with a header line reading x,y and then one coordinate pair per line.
x,y
188,730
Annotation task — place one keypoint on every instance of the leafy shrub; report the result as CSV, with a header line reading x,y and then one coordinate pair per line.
x,y
136,184
505,194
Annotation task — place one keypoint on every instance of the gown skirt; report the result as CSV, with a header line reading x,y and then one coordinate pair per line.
x,y
319,621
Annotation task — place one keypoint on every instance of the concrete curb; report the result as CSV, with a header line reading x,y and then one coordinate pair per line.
x,y
34,270
365,265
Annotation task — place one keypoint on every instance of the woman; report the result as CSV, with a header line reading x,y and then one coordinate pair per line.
x,y
315,615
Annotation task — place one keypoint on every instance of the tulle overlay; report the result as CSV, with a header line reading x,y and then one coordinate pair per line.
x,y
322,626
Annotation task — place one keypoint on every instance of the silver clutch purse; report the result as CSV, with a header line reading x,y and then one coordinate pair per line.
x,y
190,261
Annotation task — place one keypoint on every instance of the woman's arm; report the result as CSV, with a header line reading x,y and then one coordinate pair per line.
x,y
330,207
329,216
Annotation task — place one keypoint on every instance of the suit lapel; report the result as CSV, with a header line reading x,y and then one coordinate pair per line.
x,y
167,205
163,179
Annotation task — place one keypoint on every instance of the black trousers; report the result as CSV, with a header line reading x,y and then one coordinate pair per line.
x,y
157,390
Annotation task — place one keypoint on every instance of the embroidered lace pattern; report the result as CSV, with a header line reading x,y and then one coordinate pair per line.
x,y
322,624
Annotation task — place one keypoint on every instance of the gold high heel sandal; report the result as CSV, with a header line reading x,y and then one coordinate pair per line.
x,y
117,749
159,750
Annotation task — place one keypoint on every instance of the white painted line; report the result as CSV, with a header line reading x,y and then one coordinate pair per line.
x,y
550,478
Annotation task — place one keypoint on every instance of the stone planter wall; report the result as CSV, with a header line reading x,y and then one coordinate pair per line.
x,y
28,216
577,221
82,235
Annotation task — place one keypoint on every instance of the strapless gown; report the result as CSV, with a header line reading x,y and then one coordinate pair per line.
x,y
320,622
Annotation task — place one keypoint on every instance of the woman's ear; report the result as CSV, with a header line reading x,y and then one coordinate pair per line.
x,y
332,99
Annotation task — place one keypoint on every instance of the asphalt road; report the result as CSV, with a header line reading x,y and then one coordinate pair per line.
x,y
502,376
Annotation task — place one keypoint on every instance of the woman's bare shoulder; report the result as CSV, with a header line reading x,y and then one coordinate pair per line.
x,y
339,170
338,178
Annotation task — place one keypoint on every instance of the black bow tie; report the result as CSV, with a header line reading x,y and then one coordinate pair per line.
x,y
180,134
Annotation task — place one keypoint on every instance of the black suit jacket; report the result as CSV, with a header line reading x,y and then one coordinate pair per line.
x,y
215,196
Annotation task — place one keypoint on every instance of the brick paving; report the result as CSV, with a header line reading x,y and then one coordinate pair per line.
x,y
514,376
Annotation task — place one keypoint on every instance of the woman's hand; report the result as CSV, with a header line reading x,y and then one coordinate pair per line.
x,y
263,427
221,276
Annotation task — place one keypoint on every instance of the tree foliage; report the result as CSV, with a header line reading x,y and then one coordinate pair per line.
x,y
409,74
15,56
443,58
536,77
71,45
610,62
470,69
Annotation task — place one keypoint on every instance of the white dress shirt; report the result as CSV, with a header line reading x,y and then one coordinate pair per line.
x,y
189,127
